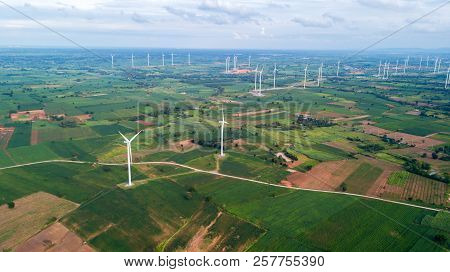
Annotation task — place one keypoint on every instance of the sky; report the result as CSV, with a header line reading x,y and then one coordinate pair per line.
x,y
221,24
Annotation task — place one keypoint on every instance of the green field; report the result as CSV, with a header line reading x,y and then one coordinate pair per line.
x,y
362,178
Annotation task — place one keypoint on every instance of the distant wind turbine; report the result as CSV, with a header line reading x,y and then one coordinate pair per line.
x,y
260,80
222,127
148,60
256,76
420,64
235,62
163,59
439,66
304,80
396,68
338,66
275,76
435,65
189,59
428,59
132,60
447,80
172,58
249,61
112,61
129,155
379,69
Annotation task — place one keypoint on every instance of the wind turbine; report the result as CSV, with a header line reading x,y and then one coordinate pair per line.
x,y
435,65
428,59
338,66
439,66
235,62
260,80
396,68
226,64
129,155
163,59
112,61
447,80
172,58
256,76
275,76
319,77
249,61
384,70
379,69
132,60
222,127
304,81
420,65
404,66
148,60
189,58
387,71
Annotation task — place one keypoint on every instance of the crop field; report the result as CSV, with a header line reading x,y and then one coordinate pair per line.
x,y
30,214
360,181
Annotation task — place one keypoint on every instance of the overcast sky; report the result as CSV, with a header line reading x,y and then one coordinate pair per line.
x,y
259,24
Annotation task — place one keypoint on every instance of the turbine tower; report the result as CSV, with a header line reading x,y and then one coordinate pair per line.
x,y
439,65
384,70
163,59
235,62
172,58
428,59
435,65
226,64
189,58
304,80
222,127
148,60
338,66
379,69
112,61
249,61
420,65
447,80
129,155
387,71
260,80
319,77
396,68
256,76
275,76
404,66
132,60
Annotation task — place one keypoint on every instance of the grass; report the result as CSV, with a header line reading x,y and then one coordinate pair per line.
x,y
398,178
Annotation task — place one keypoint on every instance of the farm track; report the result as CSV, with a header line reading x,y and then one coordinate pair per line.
x,y
228,176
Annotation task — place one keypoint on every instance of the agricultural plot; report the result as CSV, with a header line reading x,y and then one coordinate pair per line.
x,y
301,221
360,181
21,135
30,215
417,189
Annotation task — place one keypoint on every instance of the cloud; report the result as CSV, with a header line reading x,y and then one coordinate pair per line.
x,y
235,12
193,17
388,4
240,36
139,18
325,21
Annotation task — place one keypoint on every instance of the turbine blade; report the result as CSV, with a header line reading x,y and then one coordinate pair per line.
x,y
125,138
134,137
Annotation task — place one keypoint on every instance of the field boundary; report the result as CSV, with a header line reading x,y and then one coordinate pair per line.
x,y
228,176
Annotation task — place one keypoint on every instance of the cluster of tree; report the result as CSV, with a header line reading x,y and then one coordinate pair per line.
x,y
290,155
312,122
68,123
371,147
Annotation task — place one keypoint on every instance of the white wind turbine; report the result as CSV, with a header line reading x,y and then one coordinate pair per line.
x,y
129,155
396,68
275,76
338,66
379,69
428,60
435,65
319,76
222,127
249,61
260,80
148,60
404,66
447,80
256,76
304,80
112,61
439,66
163,59
132,60
384,70
235,62
420,64
189,58
172,58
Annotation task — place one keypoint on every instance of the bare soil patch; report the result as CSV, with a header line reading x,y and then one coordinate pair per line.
x,y
184,145
55,238
30,215
324,176
34,137
329,115
5,136
31,115
346,146
249,113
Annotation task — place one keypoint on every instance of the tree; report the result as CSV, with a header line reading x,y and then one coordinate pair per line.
x,y
11,204
434,155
